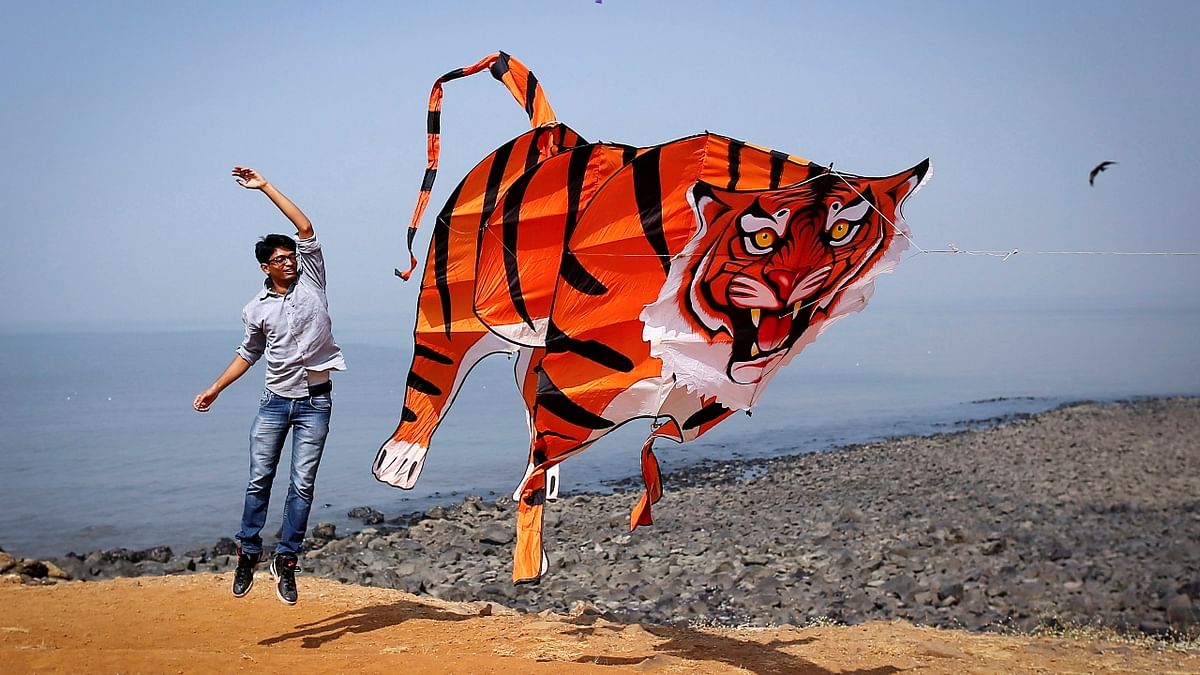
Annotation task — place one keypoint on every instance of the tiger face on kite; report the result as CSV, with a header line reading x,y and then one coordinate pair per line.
x,y
669,282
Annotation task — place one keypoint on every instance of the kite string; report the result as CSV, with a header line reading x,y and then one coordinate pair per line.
x,y
898,230
1008,254
1003,255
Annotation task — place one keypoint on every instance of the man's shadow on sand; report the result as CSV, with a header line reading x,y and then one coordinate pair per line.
x,y
314,635
677,641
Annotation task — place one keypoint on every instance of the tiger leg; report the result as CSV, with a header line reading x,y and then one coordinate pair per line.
x,y
529,554
527,377
536,487
438,368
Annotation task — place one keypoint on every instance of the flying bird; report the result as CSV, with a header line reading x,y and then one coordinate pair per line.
x,y
1099,167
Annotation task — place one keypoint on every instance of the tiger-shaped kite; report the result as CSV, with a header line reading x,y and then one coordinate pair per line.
x,y
668,282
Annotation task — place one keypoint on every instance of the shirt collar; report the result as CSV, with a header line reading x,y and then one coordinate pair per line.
x,y
268,290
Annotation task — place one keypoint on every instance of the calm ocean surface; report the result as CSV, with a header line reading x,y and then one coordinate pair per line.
x,y
99,446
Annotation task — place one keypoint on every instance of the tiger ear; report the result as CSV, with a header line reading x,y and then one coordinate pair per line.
x,y
902,185
706,204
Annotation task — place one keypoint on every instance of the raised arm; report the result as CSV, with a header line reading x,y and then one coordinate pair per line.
x,y
253,180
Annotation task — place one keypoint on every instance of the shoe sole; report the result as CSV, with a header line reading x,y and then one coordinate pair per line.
x,y
277,593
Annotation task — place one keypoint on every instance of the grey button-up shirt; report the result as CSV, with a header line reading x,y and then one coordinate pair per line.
x,y
293,329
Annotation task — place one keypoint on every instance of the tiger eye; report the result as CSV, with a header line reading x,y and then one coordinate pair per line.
x,y
839,230
764,238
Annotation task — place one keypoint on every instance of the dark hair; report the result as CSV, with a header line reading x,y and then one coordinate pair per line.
x,y
267,245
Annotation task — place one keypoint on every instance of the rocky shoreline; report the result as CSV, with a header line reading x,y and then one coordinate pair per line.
x,y
1084,515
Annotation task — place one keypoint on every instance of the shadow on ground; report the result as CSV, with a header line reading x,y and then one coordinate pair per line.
x,y
314,635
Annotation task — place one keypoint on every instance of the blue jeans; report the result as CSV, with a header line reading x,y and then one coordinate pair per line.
x,y
308,420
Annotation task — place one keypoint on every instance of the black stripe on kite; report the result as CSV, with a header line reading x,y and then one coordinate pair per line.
x,y
432,354
553,399
554,434
628,155
412,235
574,273
509,224
418,383
777,160
576,173
532,154
441,256
453,75
531,85
570,269
433,122
735,163
495,176
500,66
427,180
647,191
708,413
558,342
407,415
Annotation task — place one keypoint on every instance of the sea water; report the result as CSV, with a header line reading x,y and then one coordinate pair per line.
x,y
100,448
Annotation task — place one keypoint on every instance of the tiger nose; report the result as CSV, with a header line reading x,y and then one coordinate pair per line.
x,y
783,280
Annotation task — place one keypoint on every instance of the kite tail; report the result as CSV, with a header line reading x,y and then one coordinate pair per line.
x,y
652,478
519,81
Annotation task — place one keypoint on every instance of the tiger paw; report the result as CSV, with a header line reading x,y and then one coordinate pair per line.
x,y
399,463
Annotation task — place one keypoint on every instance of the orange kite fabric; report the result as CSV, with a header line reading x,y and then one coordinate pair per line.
x,y
668,282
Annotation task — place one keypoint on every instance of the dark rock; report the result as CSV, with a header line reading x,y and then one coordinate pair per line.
x,y
73,566
950,590
324,531
1058,551
34,569
150,568
495,534
158,554
180,566
992,547
901,586
224,546
366,514
1181,613
118,554
1151,627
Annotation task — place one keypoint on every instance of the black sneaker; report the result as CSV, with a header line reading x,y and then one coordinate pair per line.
x,y
243,577
283,568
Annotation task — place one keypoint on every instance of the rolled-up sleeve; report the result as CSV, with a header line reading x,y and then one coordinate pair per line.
x,y
312,260
254,342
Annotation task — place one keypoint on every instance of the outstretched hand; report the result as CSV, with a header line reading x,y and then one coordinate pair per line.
x,y
248,178
205,399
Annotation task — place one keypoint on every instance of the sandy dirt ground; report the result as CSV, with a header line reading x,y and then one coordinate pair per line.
x,y
191,624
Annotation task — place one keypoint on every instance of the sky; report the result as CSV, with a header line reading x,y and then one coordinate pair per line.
x,y
121,120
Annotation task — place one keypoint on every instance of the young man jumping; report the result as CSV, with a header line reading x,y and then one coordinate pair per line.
x,y
288,320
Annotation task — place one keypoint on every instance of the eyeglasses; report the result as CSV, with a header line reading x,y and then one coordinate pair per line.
x,y
279,260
